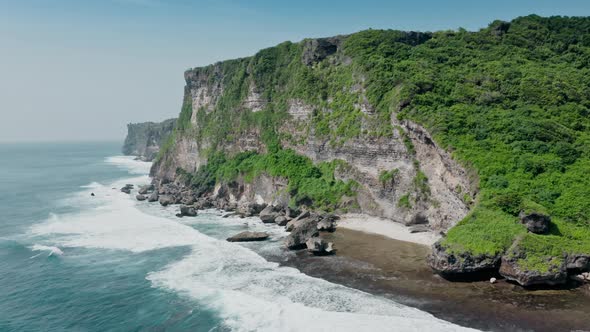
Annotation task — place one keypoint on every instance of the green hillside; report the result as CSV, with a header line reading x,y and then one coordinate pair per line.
x,y
511,101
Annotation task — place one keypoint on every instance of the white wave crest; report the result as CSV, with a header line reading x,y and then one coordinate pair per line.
x,y
130,164
248,292
92,185
52,250
252,294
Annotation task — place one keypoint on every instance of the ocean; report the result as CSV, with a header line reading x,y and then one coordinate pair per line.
x,y
70,261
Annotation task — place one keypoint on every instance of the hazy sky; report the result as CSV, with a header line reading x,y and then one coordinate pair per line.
x,y
82,70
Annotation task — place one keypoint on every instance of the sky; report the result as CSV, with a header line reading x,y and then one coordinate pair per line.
x,y
75,70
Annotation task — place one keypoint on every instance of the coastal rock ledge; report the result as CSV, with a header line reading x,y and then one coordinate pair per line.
x,y
512,265
248,236
450,264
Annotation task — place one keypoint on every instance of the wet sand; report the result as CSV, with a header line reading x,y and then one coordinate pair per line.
x,y
398,270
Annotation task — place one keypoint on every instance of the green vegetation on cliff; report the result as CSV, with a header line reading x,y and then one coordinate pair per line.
x,y
308,184
511,101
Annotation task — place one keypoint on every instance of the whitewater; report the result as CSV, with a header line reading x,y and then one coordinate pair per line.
x,y
243,290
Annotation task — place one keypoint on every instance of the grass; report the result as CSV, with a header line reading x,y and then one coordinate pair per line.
x,y
404,202
386,177
483,232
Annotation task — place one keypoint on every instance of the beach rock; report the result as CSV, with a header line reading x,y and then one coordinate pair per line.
x,y
419,229
449,264
250,209
578,262
168,189
231,214
493,280
92,194
143,190
203,203
188,211
187,198
225,205
291,224
303,214
140,197
166,200
153,197
127,188
291,212
326,224
535,222
281,220
248,236
302,231
319,247
511,269
418,219
268,214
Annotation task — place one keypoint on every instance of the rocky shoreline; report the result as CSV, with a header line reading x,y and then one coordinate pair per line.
x,y
304,225
508,265
364,261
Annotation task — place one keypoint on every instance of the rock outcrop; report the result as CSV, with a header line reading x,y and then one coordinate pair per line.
x,y
187,211
269,214
166,200
127,188
514,267
303,230
451,264
535,222
145,139
248,236
145,189
319,247
153,197
578,262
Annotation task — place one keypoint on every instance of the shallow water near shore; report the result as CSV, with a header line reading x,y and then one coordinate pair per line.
x,y
72,261
397,269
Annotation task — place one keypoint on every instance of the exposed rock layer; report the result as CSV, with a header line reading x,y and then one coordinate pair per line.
x,y
145,139
366,157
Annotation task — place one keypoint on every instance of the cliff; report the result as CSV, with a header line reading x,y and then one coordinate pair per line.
x,y
429,184
476,133
145,139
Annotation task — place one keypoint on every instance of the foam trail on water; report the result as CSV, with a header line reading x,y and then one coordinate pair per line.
x,y
252,294
248,292
92,185
52,250
130,164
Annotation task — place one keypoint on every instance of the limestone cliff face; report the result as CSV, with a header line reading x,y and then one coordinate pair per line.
x,y
145,139
407,153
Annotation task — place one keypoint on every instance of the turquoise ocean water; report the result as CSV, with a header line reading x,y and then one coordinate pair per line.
x,y
73,262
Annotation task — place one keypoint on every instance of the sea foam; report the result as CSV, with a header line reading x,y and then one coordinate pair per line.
x,y
248,292
51,249
130,164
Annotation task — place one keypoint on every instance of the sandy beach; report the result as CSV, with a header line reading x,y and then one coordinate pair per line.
x,y
385,227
